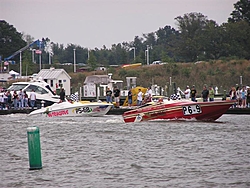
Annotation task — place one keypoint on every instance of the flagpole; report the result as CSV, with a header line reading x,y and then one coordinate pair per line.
x,y
74,60
49,59
40,60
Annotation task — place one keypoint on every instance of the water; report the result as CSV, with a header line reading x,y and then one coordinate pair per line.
x,y
105,152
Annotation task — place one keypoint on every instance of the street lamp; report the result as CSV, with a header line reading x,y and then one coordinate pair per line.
x,y
88,53
74,60
20,64
133,48
40,59
147,54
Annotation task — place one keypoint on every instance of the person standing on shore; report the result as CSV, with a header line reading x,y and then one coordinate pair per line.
x,y
9,96
20,98
239,97
148,95
248,97
205,94
117,97
1,102
108,95
25,100
15,99
193,94
211,93
139,98
187,93
32,99
62,96
232,94
5,97
130,96
244,96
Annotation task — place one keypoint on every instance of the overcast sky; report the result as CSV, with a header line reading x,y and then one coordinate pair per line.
x,y
94,23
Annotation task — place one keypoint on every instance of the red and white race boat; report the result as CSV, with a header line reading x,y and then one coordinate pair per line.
x,y
178,110
82,108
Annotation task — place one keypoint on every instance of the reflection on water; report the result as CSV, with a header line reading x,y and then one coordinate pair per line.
x,y
106,152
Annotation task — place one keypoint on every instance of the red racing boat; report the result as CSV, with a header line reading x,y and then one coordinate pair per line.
x,y
178,110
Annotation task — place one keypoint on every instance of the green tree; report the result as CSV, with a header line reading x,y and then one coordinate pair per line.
x,y
191,27
236,39
10,40
241,12
92,61
212,41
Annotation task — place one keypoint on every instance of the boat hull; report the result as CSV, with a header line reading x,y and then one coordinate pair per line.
x,y
75,109
180,110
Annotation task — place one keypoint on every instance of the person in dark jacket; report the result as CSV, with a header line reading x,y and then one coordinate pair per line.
x,y
62,95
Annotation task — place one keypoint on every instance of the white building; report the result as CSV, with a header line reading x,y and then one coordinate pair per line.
x,y
56,78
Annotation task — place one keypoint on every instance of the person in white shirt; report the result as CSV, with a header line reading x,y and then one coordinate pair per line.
x,y
148,95
187,92
21,98
32,99
139,98
1,102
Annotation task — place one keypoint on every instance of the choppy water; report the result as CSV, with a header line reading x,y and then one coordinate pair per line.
x,y
105,152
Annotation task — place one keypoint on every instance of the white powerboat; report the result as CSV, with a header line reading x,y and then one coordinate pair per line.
x,y
82,108
44,94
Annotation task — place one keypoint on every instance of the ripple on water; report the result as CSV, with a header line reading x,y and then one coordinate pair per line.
x,y
106,152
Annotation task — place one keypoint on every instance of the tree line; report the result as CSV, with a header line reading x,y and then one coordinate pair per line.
x,y
197,39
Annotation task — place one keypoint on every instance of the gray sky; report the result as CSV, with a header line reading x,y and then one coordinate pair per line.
x,y
94,23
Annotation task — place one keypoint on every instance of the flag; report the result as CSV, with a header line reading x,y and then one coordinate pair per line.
x,y
74,97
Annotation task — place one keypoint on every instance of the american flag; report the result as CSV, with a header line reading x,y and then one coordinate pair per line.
x,y
38,52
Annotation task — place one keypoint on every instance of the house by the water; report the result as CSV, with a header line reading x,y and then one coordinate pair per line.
x,y
56,78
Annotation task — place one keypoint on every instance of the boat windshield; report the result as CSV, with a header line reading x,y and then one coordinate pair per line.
x,y
47,86
17,87
37,89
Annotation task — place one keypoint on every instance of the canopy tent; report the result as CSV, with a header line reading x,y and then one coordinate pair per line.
x,y
14,73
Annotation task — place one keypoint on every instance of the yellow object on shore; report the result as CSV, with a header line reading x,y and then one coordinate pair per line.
x,y
130,66
135,91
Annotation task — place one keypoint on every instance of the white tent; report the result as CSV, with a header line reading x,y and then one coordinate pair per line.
x,y
14,73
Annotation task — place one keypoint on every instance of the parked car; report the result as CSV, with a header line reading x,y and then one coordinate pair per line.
x,y
156,63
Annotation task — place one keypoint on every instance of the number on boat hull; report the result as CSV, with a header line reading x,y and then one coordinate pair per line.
x,y
192,109
83,110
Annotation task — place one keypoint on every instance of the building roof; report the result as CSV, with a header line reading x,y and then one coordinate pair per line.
x,y
97,79
4,77
51,73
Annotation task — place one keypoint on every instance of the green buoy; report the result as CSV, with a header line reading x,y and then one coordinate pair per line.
x,y
35,159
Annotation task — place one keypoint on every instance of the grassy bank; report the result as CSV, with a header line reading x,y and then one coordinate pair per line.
x,y
223,74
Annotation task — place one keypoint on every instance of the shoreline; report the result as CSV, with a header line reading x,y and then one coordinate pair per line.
x,y
120,111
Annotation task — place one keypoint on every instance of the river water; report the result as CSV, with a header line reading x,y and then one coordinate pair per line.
x,y
105,152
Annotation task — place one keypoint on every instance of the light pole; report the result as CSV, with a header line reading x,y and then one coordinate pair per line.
x,y
133,48
147,54
74,60
20,64
88,53
40,59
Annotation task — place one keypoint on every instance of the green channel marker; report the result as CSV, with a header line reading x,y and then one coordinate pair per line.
x,y
35,159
